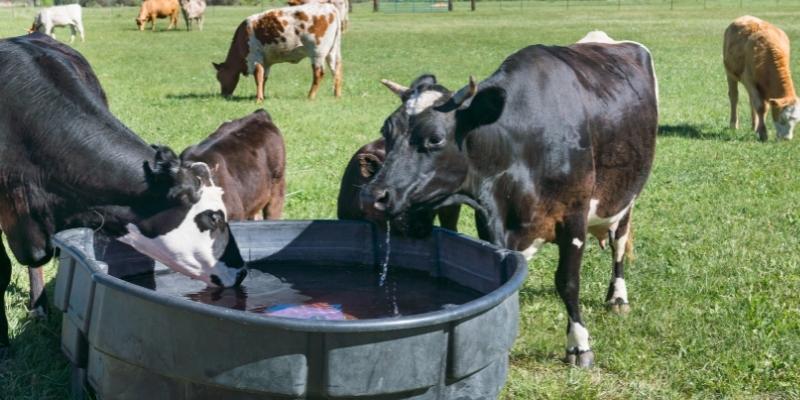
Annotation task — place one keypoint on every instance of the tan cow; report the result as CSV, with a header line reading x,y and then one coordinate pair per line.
x,y
152,9
756,53
342,5
287,34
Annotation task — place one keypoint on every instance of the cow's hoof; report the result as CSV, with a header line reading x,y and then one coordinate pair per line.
x,y
581,359
618,306
37,313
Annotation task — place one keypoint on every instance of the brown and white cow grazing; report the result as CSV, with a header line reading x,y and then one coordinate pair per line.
x,y
286,34
554,145
363,165
193,10
248,161
342,5
756,53
153,9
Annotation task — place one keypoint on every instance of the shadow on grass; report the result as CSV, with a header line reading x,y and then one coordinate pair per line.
x,y
704,132
205,96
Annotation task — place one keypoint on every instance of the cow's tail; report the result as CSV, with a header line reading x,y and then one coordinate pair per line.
x,y
629,246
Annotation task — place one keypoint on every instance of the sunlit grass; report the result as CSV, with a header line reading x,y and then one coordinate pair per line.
x,y
715,287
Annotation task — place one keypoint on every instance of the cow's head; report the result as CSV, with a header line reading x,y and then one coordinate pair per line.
x,y
785,114
426,158
228,78
189,233
140,21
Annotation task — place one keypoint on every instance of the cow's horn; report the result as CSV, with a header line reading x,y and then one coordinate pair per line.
x,y
395,87
466,92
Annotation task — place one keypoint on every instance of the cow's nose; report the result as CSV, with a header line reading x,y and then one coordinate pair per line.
x,y
381,197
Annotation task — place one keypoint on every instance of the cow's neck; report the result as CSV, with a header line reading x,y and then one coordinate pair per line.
x,y
237,52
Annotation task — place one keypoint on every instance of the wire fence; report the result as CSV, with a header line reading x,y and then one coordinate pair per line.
x,y
444,5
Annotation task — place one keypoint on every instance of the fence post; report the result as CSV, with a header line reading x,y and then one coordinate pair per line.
x,y
375,5
449,5
472,5
619,5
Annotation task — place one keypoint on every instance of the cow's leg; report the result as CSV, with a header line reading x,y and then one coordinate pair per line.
x,y
733,96
32,247
274,209
334,61
571,237
72,33
448,217
621,240
79,27
200,22
319,72
5,279
760,110
173,21
260,76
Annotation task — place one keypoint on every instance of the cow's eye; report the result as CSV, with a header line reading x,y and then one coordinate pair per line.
x,y
435,142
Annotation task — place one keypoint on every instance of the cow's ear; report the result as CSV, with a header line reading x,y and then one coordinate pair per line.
x,y
370,164
217,66
485,107
165,163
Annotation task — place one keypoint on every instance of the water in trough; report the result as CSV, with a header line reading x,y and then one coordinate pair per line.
x,y
320,292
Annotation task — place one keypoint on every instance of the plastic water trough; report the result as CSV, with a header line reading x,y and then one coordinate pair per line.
x,y
125,341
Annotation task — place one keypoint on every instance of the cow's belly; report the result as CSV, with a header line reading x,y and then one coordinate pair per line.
x,y
599,226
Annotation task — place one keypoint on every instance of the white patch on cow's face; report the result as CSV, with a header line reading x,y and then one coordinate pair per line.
x,y
188,250
419,102
577,338
620,294
534,247
611,222
787,120
577,242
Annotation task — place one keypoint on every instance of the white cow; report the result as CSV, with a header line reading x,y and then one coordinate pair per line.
x,y
193,10
51,17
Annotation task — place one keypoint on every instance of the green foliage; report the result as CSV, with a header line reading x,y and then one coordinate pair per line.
x,y
715,286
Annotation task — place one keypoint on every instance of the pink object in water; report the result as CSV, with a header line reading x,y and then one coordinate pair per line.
x,y
313,311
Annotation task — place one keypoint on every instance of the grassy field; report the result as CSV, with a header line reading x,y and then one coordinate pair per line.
x,y
715,287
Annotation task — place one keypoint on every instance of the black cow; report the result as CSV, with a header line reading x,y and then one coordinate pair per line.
x,y
362,167
557,142
66,161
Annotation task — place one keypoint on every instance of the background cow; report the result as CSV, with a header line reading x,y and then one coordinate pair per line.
x,y
193,10
756,53
363,166
248,160
69,15
286,34
154,9
557,142
66,161
342,5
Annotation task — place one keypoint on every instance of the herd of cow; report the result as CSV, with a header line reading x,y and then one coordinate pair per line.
x,y
556,144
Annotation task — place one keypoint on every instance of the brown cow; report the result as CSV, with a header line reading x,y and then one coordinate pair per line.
x,y
756,53
342,5
286,34
152,9
248,161
363,166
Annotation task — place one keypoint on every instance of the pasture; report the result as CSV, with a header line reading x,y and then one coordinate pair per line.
x,y
714,288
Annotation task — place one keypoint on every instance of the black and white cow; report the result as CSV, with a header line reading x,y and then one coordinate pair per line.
x,y
557,142
66,161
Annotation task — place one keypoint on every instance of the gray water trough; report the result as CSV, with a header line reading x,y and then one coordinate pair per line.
x,y
130,342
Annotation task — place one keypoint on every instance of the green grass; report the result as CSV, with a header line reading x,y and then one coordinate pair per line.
x,y
715,286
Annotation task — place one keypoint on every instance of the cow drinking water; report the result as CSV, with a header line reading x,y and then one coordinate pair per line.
x,y
66,161
557,142
360,170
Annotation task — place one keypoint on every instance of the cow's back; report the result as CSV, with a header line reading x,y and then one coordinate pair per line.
x,y
756,52
587,113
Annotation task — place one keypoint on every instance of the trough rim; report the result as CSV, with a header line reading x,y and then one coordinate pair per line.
x,y
435,318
